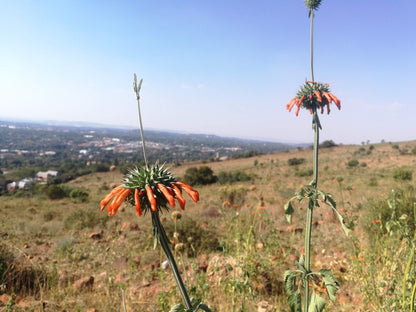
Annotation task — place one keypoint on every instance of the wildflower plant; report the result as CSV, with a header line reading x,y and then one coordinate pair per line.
x,y
313,96
153,189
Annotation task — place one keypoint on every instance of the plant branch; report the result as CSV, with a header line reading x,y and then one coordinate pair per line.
x,y
164,242
137,90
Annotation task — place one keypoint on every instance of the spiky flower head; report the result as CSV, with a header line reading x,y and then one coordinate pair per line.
x,y
151,188
313,96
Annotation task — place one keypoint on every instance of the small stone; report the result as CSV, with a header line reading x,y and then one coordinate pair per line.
x,y
83,283
96,235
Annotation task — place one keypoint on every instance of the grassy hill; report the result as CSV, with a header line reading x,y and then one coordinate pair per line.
x,y
66,255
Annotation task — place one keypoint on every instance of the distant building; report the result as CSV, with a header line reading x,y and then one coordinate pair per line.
x,y
11,186
43,175
23,184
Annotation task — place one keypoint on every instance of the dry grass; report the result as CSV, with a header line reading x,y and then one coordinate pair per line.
x,y
61,241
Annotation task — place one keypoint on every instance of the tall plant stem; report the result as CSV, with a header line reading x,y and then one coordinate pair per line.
x,y
164,242
316,126
137,90
312,16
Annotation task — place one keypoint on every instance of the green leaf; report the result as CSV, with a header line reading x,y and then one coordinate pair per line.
x,y
178,308
290,281
203,307
331,283
295,302
317,303
301,264
342,221
331,201
289,211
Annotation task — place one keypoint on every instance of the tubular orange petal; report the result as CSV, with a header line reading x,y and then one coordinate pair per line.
x,y
336,100
151,198
322,109
109,196
328,109
297,111
318,95
328,98
290,105
300,101
137,202
179,196
167,194
117,201
188,189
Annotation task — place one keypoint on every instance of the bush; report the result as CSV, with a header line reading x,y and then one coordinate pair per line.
x,y
234,195
197,240
101,167
295,161
230,177
79,195
56,192
402,174
327,144
199,176
353,163
304,173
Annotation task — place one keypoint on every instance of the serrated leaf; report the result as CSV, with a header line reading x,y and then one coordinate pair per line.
x,y
290,281
203,307
317,303
289,211
301,264
295,302
332,201
342,221
330,282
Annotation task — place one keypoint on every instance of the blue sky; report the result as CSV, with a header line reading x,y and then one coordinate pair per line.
x,y
214,67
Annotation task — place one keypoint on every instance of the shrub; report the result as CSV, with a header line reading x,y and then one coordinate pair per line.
x,y
295,161
102,167
234,195
402,174
327,144
230,177
196,239
199,176
353,163
79,195
56,192
304,173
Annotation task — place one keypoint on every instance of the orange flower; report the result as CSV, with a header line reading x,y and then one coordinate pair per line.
x,y
117,195
148,189
313,96
376,221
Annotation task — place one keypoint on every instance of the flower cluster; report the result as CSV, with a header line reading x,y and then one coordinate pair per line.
x,y
313,96
148,189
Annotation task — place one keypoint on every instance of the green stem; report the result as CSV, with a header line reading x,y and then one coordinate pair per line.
x,y
137,90
315,126
406,274
412,300
312,16
164,242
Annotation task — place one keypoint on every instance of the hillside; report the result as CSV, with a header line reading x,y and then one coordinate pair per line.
x,y
66,255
